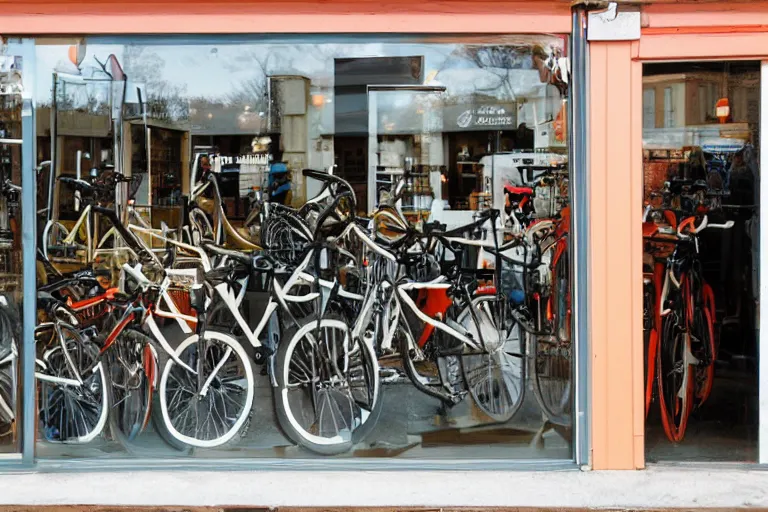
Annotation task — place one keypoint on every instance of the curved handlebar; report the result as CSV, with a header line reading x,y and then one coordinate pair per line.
x,y
694,230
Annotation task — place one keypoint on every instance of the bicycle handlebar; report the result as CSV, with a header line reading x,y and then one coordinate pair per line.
x,y
695,230
78,184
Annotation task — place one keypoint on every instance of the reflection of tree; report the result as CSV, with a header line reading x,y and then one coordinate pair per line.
x,y
165,100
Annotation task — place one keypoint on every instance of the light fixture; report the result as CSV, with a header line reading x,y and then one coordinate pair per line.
x,y
318,100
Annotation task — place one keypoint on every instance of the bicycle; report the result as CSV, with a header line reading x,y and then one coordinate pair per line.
x,y
686,351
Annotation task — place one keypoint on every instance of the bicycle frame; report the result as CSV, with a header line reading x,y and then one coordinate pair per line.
x,y
85,217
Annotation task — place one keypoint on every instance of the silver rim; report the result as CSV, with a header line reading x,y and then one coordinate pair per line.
x,y
73,413
215,417
329,385
495,378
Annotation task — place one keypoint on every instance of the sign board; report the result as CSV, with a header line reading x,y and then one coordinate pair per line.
x,y
500,116
252,169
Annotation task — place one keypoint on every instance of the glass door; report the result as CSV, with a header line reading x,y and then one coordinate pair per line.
x,y
701,256
405,134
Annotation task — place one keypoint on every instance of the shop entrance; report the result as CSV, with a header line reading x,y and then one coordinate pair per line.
x,y
701,143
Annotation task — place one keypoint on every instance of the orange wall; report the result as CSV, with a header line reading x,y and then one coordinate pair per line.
x,y
274,16
615,197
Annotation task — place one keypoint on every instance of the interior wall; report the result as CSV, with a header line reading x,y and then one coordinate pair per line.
x,y
615,203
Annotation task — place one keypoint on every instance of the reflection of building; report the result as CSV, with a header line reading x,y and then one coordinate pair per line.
x,y
232,128
685,99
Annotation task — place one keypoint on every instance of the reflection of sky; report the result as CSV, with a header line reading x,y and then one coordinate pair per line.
x,y
215,72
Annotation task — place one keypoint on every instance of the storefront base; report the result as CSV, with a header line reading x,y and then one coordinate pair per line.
x,y
73,508
659,487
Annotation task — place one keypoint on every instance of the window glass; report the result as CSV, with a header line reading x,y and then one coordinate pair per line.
x,y
316,340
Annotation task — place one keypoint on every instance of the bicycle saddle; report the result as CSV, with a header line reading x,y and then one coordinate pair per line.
x,y
45,300
518,190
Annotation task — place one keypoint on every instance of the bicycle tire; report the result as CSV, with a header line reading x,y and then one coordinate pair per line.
x,y
703,329
650,341
552,361
364,409
131,396
72,414
9,335
674,377
7,396
176,380
496,379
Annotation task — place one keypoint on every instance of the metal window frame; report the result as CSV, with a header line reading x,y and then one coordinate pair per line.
x,y
26,48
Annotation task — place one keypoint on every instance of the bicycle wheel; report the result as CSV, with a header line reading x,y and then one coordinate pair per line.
x,y
8,368
675,379
495,379
215,415
7,393
703,347
68,413
553,355
650,339
328,390
132,369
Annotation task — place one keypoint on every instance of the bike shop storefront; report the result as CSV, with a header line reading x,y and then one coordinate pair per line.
x,y
119,132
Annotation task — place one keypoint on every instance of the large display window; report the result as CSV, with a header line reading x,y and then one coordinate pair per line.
x,y
353,248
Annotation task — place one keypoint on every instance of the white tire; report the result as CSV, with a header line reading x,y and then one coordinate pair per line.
x,y
170,381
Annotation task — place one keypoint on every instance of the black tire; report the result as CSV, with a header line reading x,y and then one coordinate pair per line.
x,y
9,342
364,402
495,379
130,395
158,424
552,362
177,384
61,421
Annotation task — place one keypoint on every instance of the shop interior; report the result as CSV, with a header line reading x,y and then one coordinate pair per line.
x,y
701,142
466,127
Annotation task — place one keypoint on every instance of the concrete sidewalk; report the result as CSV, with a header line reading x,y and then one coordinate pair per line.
x,y
659,487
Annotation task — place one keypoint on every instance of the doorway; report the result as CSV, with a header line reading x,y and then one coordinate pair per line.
x,y
701,182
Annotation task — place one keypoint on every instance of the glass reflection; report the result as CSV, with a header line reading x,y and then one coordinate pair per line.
x,y
11,86
202,317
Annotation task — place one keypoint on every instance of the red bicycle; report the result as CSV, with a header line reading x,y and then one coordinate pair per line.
x,y
679,318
